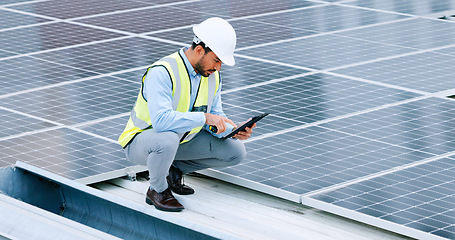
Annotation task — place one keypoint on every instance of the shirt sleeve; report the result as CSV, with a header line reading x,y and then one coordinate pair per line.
x,y
158,94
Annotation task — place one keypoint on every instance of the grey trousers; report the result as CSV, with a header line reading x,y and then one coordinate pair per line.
x,y
158,151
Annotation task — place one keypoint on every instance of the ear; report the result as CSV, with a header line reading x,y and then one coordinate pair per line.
x,y
199,50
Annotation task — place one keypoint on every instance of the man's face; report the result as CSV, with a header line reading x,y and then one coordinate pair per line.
x,y
207,64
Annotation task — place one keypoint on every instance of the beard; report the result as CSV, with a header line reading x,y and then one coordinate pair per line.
x,y
200,68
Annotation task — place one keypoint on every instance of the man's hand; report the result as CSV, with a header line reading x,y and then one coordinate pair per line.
x,y
243,135
218,121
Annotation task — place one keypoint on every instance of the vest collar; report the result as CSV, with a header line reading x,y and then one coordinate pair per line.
x,y
188,65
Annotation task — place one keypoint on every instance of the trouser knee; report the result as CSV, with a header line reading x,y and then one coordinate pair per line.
x,y
238,154
167,143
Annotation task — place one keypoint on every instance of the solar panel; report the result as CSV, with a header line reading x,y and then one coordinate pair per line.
x,y
138,21
416,33
114,56
360,125
64,9
69,153
250,32
327,18
420,197
316,52
12,19
407,7
76,102
24,74
13,124
429,72
52,35
425,125
4,54
319,157
447,51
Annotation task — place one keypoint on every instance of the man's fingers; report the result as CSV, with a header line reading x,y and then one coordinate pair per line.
x,y
243,135
231,122
223,125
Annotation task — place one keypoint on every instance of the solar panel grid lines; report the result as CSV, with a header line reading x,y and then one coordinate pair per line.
x,y
13,54
29,73
317,150
10,3
111,56
310,4
275,62
265,83
12,110
360,4
78,102
82,154
59,84
323,33
394,170
426,71
417,33
356,91
447,51
328,120
315,52
14,124
424,124
12,20
439,50
70,9
423,187
378,83
406,7
20,40
136,22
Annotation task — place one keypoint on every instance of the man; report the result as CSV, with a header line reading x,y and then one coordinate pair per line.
x,y
168,130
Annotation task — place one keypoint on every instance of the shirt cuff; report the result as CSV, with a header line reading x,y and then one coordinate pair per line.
x,y
199,119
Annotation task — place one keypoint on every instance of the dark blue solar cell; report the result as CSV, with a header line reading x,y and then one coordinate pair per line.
x,y
356,93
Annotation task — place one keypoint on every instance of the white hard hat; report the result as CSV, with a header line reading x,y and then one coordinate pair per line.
x,y
219,36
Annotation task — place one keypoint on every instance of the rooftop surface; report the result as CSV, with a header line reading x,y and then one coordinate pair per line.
x,y
240,213
360,96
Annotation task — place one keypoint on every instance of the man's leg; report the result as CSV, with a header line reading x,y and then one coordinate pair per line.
x,y
206,151
157,152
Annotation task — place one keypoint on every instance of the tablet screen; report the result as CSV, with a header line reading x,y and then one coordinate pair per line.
x,y
247,124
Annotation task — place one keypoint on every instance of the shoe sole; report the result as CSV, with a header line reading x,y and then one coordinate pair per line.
x,y
150,202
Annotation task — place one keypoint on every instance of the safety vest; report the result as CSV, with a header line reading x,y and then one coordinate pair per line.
x,y
181,91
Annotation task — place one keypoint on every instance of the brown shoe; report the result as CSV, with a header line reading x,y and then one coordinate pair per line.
x,y
175,182
164,201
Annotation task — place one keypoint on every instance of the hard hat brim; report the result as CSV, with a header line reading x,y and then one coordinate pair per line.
x,y
230,61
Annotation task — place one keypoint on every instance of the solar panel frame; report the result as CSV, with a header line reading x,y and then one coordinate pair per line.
x,y
359,124
418,189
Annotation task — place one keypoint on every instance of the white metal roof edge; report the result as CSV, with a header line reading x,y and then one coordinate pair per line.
x,y
370,220
127,171
146,209
252,185
41,224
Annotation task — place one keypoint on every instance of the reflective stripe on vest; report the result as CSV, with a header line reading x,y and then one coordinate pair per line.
x,y
181,90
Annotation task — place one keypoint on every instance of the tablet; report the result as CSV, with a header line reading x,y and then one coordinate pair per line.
x,y
242,127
